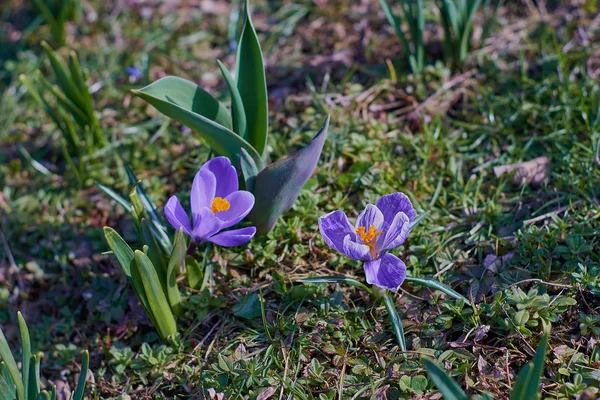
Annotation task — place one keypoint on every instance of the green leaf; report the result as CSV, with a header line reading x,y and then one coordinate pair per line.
x,y
25,352
154,253
63,77
7,388
187,104
195,275
11,365
85,364
396,321
176,260
445,384
159,306
436,285
115,196
527,385
249,170
238,115
337,279
34,376
120,248
248,307
252,84
278,185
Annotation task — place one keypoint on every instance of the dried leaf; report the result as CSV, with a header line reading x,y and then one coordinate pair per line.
x,y
535,171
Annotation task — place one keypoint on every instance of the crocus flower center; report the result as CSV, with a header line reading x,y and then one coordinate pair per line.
x,y
369,237
220,204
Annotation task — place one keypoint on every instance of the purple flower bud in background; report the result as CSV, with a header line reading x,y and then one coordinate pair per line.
x,y
378,228
216,204
133,72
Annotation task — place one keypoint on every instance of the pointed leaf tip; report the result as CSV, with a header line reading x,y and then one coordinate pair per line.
x,y
277,186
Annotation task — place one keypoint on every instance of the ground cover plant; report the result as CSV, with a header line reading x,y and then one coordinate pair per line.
x,y
133,164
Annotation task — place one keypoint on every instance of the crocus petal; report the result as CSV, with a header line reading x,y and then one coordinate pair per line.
x,y
177,216
392,204
240,205
387,272
203,190
356,251
224,172
396,233
334,228
371,216
206,224
234,237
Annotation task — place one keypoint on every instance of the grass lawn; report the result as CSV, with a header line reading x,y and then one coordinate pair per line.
x,y
500,158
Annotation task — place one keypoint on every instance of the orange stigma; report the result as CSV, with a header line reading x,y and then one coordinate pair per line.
x,y
369,238
220,204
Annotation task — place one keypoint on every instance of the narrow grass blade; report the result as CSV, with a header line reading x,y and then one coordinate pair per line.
x,y
115,196
528,380
159,306
337,279
238,115
445,384
252,84
85,364
175,98
436,285
63,78
278,185
11,365
176,260
25,352
396,321
389,15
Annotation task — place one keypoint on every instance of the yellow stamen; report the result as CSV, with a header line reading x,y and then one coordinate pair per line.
x,y
369,237
220,204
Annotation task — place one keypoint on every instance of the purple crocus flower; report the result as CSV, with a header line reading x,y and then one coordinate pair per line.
x,y
216,204
378,228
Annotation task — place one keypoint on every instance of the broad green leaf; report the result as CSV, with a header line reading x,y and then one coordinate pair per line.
x,y
195,274
249,170
248,307
176,260
278,185
159,306
120,248
445,384
85,364
25,352
337,279
238,115
396,321
252,84
178,99
436,285
7,356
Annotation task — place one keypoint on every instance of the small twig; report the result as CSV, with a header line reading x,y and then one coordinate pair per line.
x,y
560,285
445,87
544,216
